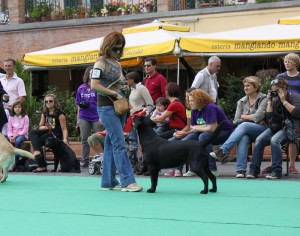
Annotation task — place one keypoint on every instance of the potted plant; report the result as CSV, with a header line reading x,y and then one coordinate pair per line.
x,y
45,10
96,9
113,8
69,12
126,8
35,14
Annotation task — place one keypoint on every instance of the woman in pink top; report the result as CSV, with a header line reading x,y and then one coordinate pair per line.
x,y
18,125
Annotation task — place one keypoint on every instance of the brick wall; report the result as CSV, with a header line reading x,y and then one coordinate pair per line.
x,y
16,11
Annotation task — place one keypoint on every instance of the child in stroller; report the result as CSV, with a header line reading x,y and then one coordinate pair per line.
x,y
96,142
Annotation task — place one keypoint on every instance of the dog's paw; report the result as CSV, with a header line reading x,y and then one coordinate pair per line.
x,y
213,190
150,190
204,191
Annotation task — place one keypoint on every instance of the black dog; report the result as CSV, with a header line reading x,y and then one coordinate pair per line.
x,y
162,154
64,155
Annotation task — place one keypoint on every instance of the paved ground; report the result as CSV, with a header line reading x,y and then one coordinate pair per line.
x,y
225,171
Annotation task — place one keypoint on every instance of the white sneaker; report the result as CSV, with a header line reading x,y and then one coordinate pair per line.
x,y
97,157
215,173
117,187
134,187
189,174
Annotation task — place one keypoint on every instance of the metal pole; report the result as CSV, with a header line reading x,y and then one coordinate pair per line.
x,y
178,70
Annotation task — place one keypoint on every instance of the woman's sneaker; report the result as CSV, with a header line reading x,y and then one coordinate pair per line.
x,y
170,173
178,173
240,174
189,174
273,176
134,187
117,187
251,176
293,170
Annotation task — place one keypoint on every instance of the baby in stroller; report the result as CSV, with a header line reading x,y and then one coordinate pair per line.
x,y
96,142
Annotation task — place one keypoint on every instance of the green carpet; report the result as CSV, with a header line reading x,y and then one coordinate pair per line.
x,y
58,205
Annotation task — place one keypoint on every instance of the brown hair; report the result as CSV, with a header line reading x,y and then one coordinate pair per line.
x,y
173,89
10,59
280,83
162,101
57,106
23,112
135,76
201,98
110,41
293,57
86,76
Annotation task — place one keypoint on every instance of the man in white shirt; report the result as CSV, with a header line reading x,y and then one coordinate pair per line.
x,y
12,84
206,79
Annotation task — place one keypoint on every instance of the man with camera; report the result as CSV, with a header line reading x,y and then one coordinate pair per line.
x,y
281,105
87,116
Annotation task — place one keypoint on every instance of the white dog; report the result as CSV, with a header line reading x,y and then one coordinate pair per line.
x,y
7,157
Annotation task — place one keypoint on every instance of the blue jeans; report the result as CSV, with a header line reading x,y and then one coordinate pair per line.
x,y
243,134
205,135
115,155
263,140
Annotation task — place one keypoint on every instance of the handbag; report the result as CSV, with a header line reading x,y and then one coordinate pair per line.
x,y
290,132
121,106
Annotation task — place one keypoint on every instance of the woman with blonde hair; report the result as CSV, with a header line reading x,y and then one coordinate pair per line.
x,y
52,123
249,123
107,79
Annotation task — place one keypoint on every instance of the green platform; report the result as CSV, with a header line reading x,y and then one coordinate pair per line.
x,y
68,206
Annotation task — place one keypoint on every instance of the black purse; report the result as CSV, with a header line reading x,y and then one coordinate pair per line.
x,y
276,122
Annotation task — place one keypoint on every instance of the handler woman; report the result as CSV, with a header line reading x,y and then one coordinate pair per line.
x,y
108,81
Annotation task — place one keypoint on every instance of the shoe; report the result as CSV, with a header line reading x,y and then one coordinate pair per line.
x,y
134,187
147,173
170,173
84,164
228,159
267,170
39,171
117,187
251,176
219,155
98,157
178,173
189,174
215,173
240,174
273,175
293,170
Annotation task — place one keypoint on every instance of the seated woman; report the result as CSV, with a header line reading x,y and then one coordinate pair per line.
x,y
281,105
52,123
249,121
175,111
205,118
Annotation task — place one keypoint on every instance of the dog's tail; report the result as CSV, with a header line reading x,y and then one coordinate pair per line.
x,y
214,135
23,153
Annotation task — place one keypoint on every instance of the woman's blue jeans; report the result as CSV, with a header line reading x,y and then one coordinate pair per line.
x,y
205,135
242,135
115,155
18,142
263,140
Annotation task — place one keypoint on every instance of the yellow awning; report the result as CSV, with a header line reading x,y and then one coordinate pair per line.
x,y
290,21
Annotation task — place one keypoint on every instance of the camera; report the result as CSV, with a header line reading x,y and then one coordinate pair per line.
x,y
274,94
84,104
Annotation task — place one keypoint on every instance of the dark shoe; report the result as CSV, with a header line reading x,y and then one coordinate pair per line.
x,y
273,175
84,164
147,173
219,155
240,174
38,171
251,176
228,159
267,170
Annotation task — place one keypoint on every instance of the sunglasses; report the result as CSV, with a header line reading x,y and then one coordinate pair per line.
x,y
274,81
147,65
116,49
48,101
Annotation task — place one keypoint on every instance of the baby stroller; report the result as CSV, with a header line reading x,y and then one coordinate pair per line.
x,y
96,164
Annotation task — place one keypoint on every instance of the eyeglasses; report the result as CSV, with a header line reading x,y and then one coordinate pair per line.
x,y
147,65
48,101
116,49
274,81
